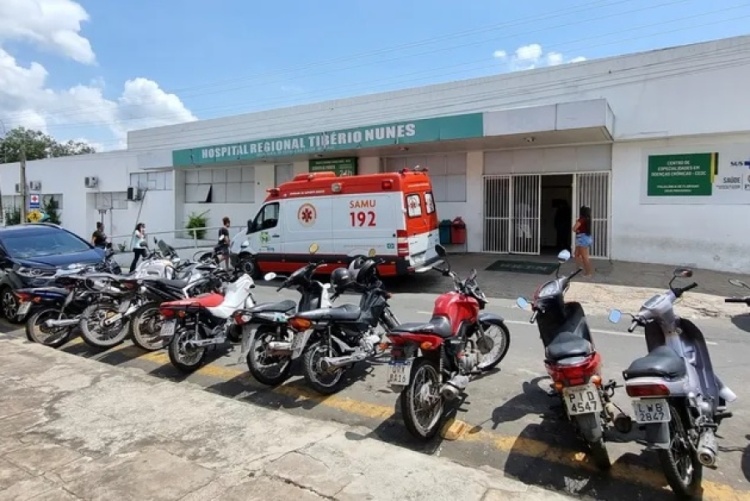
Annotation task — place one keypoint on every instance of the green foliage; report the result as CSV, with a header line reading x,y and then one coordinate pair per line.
x,y
51,210
37,145
12,215
197,223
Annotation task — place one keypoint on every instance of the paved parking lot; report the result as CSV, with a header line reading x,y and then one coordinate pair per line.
x,y
506,421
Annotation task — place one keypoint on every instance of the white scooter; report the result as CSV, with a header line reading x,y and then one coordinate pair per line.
x,y
677,398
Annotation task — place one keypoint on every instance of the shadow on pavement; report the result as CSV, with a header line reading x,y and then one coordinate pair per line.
x,y
742,321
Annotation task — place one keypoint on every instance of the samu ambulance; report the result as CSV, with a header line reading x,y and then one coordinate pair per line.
x,y
390,215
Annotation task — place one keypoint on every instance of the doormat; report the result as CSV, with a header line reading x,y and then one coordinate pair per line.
x,y
530,267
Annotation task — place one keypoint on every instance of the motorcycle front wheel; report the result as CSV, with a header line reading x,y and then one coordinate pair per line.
x,y
38,332
184,357
422,405
98,335
680,462
494,344
326,382
268,370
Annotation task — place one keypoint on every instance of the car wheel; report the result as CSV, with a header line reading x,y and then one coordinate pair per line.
x,y
8,304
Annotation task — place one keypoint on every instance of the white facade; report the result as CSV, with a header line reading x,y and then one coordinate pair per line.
x,y
592,125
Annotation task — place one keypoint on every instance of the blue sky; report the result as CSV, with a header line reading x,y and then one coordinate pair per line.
x,y
235,56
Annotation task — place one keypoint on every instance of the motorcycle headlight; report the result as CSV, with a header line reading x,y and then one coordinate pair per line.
x,y
549,289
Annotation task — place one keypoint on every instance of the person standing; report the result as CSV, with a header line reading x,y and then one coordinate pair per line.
x,y
223,247
584,240
138,244
99,238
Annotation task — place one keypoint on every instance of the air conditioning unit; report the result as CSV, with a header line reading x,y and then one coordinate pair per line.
x,y
134,194
91,181
35,186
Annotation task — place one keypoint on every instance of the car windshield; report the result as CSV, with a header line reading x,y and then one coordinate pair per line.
x,y
27,245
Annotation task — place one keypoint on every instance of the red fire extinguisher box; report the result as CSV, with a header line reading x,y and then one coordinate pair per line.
x,y
458,231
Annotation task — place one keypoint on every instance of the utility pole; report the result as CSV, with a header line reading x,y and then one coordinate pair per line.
x,y
22,184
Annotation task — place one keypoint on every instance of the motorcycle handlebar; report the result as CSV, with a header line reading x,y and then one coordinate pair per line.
x,y
745,300
679,292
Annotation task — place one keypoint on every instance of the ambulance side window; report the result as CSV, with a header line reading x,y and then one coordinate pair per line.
x,y
429,202
267,218
413,205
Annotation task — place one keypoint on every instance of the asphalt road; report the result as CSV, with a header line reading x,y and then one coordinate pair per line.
x,y
507,420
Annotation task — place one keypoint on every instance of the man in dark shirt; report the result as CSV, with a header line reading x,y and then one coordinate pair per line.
x,y
224,240
99,238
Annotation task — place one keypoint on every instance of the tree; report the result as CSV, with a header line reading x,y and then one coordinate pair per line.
x,y
51,210
38,145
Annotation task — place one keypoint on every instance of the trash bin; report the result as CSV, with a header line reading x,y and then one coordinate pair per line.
x,y
445,231
458,231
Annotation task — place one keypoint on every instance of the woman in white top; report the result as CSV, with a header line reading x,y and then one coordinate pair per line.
x,y
138,244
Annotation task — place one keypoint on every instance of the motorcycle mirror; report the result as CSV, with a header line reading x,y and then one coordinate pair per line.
x,y
522,303
683,272
440,250
615,316
563,256
738,283
269,276
313,248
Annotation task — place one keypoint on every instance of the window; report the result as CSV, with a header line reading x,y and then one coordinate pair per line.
x,y
447,172
414,205
158,181
267,218
429,202
34,244
117,200
283,173
230,185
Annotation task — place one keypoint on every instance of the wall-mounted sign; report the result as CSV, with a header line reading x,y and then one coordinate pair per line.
x,y
717,175
397,133
341,166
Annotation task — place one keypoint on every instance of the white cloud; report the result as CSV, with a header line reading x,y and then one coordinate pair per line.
x,y
532,56
27,100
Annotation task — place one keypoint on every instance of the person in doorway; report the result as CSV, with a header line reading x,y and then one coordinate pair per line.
x,y
99,238
223,247
138,244
584,240
562,224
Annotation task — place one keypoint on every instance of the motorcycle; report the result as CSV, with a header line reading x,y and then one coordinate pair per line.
x,y
677,398
433,362
195,323
145,321
271,343
105,322
574,365
332,340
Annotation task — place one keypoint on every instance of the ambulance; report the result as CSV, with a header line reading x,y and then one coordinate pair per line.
x,y
389,215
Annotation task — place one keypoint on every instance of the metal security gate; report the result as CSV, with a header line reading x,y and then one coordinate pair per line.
x,y
496,214
526,228
593,190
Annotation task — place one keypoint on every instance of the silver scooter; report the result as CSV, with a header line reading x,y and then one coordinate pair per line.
x,y
678,400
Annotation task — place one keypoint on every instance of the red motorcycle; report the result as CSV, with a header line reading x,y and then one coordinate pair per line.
x,y
433,362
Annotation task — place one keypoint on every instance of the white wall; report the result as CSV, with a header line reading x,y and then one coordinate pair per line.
x,y
653,94
706,236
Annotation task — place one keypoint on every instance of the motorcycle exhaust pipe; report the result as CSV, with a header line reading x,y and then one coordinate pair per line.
x,y
453,388
276,348
67,322
707,449
331,363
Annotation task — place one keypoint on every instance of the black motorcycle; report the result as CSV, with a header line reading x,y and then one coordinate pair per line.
x,y
574,365
269,354
332,340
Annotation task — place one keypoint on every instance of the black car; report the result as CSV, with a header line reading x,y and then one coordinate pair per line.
x,y
30,254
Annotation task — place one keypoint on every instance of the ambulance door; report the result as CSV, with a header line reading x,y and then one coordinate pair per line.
x,y
366,224
264,235
307,221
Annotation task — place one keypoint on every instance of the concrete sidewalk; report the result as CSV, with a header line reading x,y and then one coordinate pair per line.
x,y
71,428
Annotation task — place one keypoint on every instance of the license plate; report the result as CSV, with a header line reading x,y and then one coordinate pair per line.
x,y
24,309
398,372
583,399
651,410
299,343
167,329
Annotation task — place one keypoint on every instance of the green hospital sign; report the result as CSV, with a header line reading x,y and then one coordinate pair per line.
x,y
415,131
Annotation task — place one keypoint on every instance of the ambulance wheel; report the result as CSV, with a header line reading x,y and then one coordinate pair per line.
x,y
249,266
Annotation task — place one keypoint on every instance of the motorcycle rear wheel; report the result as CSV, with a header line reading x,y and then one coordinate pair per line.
x,y
682,468
186,359
263,335
416,392
313,372
97,335
147,341
36,331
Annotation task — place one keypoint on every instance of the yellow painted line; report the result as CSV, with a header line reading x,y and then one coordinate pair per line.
x,y
460,430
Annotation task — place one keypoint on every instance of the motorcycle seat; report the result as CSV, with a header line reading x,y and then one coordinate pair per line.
x,y
438,326
281,307
567,345
345,312
176,284
661,362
